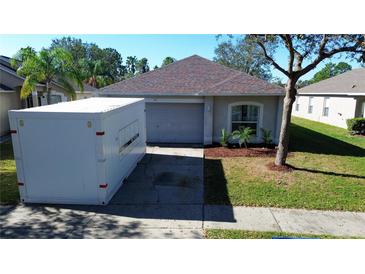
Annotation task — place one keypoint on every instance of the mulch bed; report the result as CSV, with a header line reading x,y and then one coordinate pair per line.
x,y
239,152
284,168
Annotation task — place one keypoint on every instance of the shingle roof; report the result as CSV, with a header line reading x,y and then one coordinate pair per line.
x,y
352,81
194,76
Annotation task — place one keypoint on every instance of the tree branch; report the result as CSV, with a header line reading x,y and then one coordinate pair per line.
x,y
323,55
276,65
289,45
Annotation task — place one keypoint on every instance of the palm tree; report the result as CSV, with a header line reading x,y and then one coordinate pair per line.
x,y
243,134
95,73
131,63
47,66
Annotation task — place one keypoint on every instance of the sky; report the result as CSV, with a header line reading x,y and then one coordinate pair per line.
x,y
154,47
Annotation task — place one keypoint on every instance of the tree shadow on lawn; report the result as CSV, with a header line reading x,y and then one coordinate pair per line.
x,y
305,140
326,172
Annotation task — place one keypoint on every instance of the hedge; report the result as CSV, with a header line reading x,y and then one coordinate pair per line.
x,y
356,125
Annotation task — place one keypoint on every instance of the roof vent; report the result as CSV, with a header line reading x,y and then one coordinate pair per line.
x,y
353,86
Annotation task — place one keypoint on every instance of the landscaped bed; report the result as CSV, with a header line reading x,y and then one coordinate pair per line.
x,y
327,172
219,151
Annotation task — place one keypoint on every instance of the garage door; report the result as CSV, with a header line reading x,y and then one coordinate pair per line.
x,y
175,122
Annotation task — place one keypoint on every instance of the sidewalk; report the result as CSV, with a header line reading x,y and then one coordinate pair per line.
x,y
337,223
169,221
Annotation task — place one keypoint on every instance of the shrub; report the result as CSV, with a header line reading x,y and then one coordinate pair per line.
x,y
356,125
243,135
266,136
224,137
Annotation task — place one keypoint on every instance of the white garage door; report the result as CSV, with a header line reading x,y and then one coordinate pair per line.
x,y
175,122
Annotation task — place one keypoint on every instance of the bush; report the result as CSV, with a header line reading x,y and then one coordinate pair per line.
x,y
266,137
243,134
356,125
224,137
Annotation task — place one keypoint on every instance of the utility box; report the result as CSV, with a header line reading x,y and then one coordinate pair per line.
x,y
77,152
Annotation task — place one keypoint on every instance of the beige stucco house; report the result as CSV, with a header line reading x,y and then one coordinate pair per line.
x,y
191,100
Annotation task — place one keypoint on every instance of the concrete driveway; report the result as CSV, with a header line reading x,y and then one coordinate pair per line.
x,y
162,198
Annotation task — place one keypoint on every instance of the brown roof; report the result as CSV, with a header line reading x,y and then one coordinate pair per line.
x,y
194,76
352,81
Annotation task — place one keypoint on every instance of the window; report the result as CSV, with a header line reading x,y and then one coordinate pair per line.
x,y
325,106
297,104
310,105
245,116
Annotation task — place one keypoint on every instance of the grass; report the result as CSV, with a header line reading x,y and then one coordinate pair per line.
x,y
8,188
329,173
244,234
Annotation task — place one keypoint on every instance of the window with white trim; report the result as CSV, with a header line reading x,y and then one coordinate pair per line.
x,y
297,104
325,106
310,105
245,116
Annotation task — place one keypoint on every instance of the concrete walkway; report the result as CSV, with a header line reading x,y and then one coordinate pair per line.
x,y
337,223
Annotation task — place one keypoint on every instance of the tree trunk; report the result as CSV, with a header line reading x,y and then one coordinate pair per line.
x,y
283,146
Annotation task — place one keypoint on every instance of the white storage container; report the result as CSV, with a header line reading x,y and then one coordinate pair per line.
x,y
77,152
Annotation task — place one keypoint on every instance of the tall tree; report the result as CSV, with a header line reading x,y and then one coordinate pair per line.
x,y
244,55
142,65
92,60
168,60
302,49
329,71
131,64
45,67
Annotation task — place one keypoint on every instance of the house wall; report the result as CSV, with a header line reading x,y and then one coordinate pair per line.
x,y
271,114
360,107
8,100
84,95
216,110
340,109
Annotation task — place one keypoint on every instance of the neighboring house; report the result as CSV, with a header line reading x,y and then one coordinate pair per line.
x,y
334,100
10,85
191,100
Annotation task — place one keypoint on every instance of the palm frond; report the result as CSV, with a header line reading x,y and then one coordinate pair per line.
x,y
27,88
68,87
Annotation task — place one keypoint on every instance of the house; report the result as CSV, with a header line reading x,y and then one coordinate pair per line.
x,y
191,100
10,85
334,100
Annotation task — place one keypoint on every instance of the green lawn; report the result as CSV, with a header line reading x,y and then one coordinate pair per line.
x,y
329,173
8,188
243,234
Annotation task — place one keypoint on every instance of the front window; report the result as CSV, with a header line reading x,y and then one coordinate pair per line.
x,y
245,116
